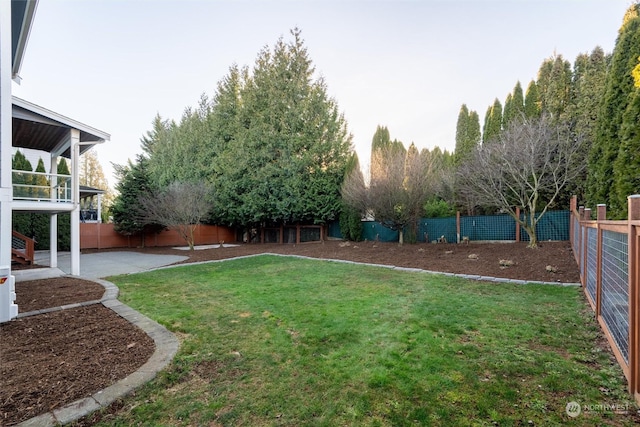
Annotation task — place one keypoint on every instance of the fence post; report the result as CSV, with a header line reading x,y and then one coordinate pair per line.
x,y
517,224
457,227
601,216
587,214
581,212
634,297
572,208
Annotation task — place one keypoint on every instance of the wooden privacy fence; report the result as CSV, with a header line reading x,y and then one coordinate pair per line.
x,y
103,236
607,253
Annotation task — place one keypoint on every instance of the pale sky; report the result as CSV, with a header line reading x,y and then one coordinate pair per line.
x,y
407,65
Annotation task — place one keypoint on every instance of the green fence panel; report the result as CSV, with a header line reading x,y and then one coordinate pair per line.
x,y
554,225
334,230
431,229
372,230
485,227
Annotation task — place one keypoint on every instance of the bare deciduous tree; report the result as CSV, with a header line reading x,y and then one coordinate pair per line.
x,y
527,166
181,206
397,190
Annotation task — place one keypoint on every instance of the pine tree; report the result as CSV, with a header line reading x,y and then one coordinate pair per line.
x,y
287,162
134,183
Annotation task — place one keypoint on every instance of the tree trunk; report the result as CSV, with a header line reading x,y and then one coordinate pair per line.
x,y
401,236
531,231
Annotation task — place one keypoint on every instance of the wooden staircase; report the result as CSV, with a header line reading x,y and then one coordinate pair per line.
x,y
22,249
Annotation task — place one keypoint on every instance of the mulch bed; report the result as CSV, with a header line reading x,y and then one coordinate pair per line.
x,y
50,360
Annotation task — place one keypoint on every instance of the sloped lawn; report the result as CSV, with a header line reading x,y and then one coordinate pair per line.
x,y
283,341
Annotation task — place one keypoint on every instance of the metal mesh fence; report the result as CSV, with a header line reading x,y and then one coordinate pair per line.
x,y
576,234
496,227
554,225
581,265
615,289
271,235
309,234
592,256
431,229
372,230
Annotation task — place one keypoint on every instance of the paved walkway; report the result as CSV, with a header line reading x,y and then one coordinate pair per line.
x,y
93,266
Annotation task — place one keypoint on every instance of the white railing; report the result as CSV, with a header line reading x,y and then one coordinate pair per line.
x,y
41,186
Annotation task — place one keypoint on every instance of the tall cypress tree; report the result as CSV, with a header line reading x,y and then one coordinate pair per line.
x,y
532,107
507,111
587,88
467,134
616,98
627,165
492,122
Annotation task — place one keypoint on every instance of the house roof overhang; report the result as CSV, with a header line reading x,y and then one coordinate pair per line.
x,y
86,191
22,13
37,128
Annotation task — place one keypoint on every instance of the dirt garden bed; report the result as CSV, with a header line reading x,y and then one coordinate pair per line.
x,y
49,360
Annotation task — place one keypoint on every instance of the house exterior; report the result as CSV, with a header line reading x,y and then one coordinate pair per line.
x,y
29,126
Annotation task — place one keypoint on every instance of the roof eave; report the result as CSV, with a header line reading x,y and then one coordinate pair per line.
x,y
25,21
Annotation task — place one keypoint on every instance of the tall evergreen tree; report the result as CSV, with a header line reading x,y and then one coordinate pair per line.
x,y
532,105
134,183
513,106
554,85
492,122
288,160
627,164
587,88
618,88
467,133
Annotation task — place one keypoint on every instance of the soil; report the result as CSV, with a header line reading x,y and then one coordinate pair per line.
x,y
50,360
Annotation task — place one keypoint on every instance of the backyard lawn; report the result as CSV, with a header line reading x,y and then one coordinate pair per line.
x,y
274,340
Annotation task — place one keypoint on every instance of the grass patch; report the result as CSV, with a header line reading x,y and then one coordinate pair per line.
x,y
285,341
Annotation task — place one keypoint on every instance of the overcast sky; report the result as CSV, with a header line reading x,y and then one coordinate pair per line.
x,y
407,65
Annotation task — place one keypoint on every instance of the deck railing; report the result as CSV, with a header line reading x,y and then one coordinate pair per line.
x,y
41,186
22,248
608,257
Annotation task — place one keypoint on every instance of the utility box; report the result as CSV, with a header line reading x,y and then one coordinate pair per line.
x,y
8,308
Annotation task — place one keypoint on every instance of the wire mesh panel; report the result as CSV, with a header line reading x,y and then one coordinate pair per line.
x,y
581,264
431,229
372,230
592,257
576,235
309,234
271,235
496,227
334,230
554,225
615,289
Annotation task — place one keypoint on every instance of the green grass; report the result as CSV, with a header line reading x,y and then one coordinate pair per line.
x,y
284,341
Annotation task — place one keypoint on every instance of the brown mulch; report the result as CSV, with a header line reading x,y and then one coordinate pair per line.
x,y
50,360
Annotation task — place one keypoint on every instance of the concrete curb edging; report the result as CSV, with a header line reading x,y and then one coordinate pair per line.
x,y
166,347
391,267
